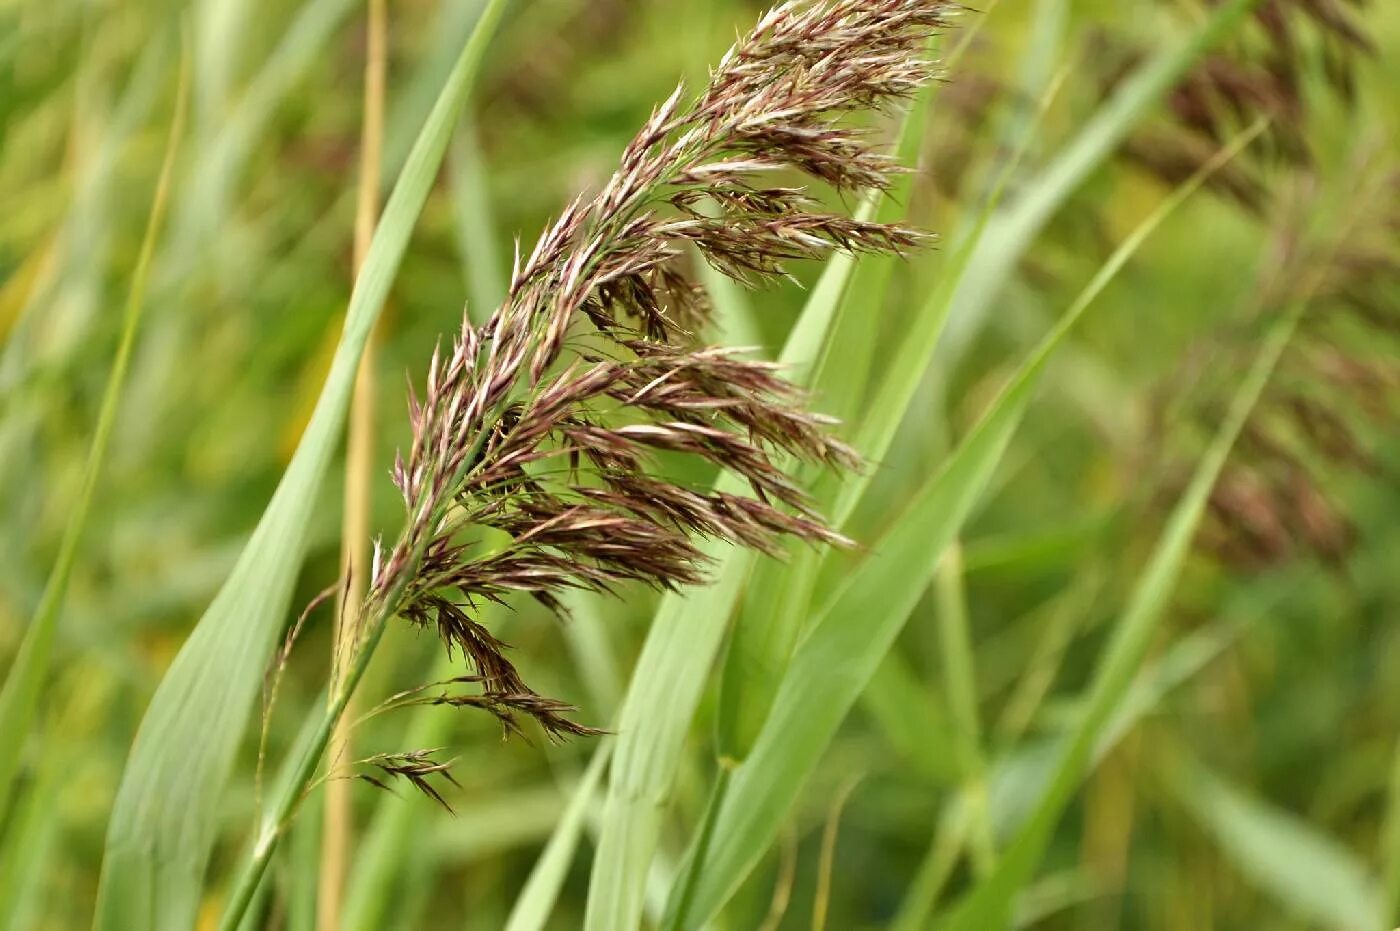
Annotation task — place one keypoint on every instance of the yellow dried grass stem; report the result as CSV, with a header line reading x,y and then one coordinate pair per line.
x,y
359,467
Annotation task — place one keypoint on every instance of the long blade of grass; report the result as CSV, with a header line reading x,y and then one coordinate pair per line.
x,y
166,813
853,632
989,905
20,695
1311,875
536,901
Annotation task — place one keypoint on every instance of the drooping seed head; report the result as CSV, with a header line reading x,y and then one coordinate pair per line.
x,y
550,424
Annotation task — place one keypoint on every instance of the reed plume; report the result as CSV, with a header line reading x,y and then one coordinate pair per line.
x,y
1262,74
547,423
1274,502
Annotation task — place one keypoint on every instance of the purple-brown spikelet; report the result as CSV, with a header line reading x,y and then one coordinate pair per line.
x,y
544,424
414,766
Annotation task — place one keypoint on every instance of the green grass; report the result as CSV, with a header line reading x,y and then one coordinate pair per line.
x,y
1065,686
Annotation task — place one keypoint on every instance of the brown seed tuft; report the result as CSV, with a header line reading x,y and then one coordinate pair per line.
x,y
552,422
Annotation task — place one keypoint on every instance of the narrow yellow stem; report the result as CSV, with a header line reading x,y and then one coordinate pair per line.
x,y
359,467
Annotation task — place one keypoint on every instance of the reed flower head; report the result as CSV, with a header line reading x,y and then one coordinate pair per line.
x,y
1261,74
1277,500
534,461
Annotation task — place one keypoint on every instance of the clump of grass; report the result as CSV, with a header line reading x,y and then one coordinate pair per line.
x,y
545,423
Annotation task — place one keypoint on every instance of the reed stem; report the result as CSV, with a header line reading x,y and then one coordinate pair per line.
x,y
359,466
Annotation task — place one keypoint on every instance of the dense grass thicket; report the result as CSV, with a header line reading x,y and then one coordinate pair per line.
x,y
1027,560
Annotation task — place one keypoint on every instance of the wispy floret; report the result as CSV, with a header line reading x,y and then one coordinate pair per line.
x,y
415,766
541,445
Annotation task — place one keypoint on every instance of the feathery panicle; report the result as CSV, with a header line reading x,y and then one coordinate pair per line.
x,y
546,423
1260,75
1273,503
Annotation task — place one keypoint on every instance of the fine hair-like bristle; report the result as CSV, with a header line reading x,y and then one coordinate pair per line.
x,y
545,422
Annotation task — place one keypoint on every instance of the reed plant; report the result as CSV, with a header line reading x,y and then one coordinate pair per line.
x,y
937,474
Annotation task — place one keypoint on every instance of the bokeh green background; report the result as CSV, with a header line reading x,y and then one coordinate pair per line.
x,y
1253,789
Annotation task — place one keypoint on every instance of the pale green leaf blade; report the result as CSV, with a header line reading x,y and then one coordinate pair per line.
x,y
852,634
1313,876
989,905
165,817
536,901
20,695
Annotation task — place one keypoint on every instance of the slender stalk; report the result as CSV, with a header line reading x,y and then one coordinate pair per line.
x,y
20,695
821,902
955,642
359,465
292,790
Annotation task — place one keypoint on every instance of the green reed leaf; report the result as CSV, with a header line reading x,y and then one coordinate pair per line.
x,y
855,629
989,905
1310,874
165,818
20,696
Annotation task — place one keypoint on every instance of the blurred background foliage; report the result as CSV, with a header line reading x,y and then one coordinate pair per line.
x,y
1254,787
